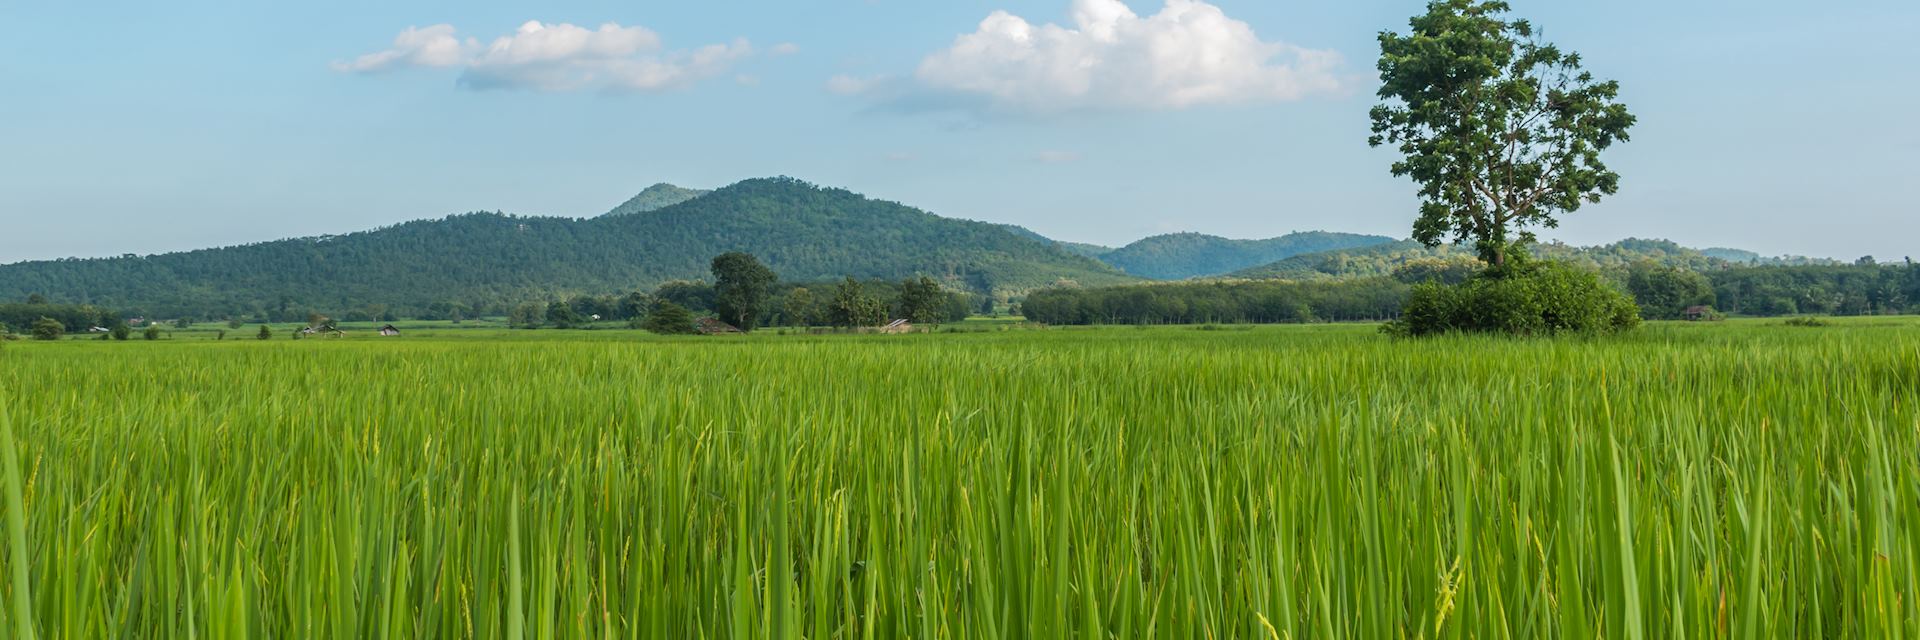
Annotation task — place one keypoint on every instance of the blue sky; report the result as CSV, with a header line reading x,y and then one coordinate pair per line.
x,y
133,127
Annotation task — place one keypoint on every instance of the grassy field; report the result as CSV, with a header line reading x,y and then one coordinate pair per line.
x,y
1734,479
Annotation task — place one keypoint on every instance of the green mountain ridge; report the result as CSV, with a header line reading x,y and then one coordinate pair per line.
x,y
1180,256
802,231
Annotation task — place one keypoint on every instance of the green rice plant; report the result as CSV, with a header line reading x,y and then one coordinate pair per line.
x,y
1706,480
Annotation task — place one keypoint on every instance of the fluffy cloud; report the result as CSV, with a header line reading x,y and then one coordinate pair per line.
x,y
555,57
1189,54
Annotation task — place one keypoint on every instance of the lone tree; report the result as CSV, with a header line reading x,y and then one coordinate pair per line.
x,y
741,286
922,301
265,333
852,307
1501,130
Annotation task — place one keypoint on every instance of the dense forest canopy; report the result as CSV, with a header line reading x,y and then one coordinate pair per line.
x,y
489,261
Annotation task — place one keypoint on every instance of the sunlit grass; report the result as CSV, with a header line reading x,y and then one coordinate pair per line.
x,y
1734,479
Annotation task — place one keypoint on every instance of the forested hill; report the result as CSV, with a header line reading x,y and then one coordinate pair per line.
x,y
487,259
1384,259
1189,255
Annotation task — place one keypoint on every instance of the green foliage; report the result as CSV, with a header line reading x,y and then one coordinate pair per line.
x,y
1215,302
853,307
152,332
1806,322
668,318
120,331
741,288
265,333
74,318
1250,483
234,322
48,329
1530,299
1665,293
491,261
527,316
562,316
798,308
1189,255
1500,130
922,302
656,197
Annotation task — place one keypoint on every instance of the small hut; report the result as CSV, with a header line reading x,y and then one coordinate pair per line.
x,y
1697,313
898,326
389,331
714,327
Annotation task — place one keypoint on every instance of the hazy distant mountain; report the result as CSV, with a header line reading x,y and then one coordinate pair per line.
x,y
657,197
802,231
1380,260
1188,255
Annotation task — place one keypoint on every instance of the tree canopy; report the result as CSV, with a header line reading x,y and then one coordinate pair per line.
x,y
1500,130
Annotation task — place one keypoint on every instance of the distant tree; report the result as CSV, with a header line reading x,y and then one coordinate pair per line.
x,y
696,296
220,335
314,319
5,330
265,333
922,301
668,318
741,288
562,316
1866,261
120,331
798,308
634,306
852,307
527,316
234,322
48,329
152,332
183,323
35,298
1666,292
1500,130
986,306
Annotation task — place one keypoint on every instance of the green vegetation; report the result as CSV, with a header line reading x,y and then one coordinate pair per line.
x,y
1738,479
47,329
484,263
1524,299
1501,130
668,319
740,290
656,197
1269,301
1189,255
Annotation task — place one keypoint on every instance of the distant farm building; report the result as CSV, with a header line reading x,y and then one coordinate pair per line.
x,y
1697,313
898,326
712,327
97,330
389,331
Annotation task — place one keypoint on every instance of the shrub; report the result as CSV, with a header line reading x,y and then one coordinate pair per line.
x,y
265,333
1545,298
1806,321
48,329
152,332
668,318
120,331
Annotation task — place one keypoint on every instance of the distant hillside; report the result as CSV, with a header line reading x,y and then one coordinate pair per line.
x,y
1082,248
804,232
1381,260
1189,255
656,197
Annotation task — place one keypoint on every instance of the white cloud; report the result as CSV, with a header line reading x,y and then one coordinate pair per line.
x,y
433,46
1189,54
555,57
784,49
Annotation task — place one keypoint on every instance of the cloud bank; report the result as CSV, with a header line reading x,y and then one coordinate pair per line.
x,y
1189,54
554,58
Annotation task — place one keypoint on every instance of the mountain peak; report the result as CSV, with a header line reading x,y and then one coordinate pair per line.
x,y
658,196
